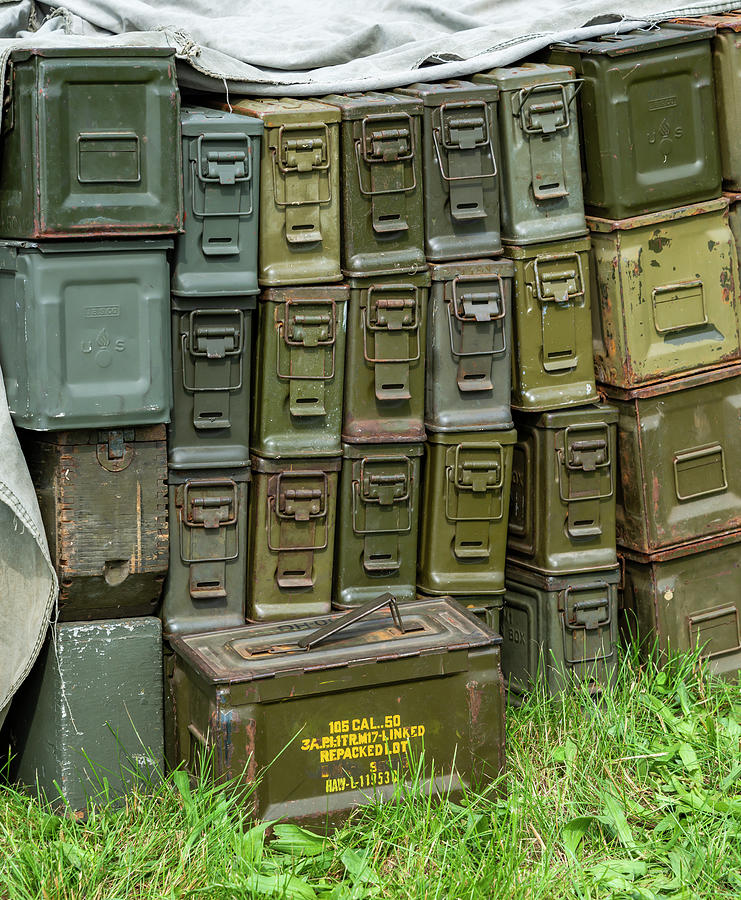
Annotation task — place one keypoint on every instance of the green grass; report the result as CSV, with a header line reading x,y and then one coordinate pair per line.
x,y
637,797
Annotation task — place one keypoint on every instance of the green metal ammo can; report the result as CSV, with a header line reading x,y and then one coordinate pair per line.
x,y
562,505
103,502
89,716
460,145
377,519
469,346
299,190
299,371
207,583
541,183
648,117
680,459
685,597
85,341
291,537
212,358
667,294
552,327
385,366
382,198
217,254
334,713
463,530
487,609
91,143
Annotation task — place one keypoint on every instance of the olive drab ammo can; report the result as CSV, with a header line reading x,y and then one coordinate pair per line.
x,y
541,183
687,597
299,190
680,459
667,294
207,582
377,519
291,537
385,365
325,715
558,630
382,194
460,152
648,119
87,722
562,504
106,163
487,609
103,502
465,508
212,358
217,254
299,371
469,346
552,327
85,341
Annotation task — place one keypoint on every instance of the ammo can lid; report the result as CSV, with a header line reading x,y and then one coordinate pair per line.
x,y
81,52
472,438
447,271
537,251
367,103
637,41
286,111
86,436
195,120
87,246
294,464
594,414
577,581
336,292
451,92
512,78
705,545
389,450
253,652
721,372
209,477
419,278
656,218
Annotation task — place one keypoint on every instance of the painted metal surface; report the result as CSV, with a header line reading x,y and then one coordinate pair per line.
x,y
82,160
648,118
377,523
564,476
469,346
337,725
291,537
541,183
75,355
667,294
217,254
299,371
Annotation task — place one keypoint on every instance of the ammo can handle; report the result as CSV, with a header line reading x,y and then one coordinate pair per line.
x,y
350,618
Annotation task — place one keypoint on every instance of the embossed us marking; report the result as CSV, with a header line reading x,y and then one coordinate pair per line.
x,y
662,103
97,312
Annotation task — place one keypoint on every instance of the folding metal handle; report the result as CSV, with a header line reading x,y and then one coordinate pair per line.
x,y
545,109
331,629
442,137
366,154
698,454
671,294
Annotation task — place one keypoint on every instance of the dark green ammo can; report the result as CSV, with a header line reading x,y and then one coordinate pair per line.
x,y
460,145
377,519
91,143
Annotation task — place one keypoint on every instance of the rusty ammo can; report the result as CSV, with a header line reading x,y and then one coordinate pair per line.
x,y
299,371
377,519
291,537
460,145
469,346
332,713
103,502
667,294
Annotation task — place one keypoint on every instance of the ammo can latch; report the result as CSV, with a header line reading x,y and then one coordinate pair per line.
x,y
559,286
381,496
474,483
585,476
115,449
308,328
390,320
301,183
584,624
469,312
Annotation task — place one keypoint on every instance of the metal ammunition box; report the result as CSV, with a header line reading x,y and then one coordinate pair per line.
x,y
299,371
465,497
551,328
85,341
469,346
217,254
103,502
385,366
648,117
562,505
382,198
667,293
487,609
330,718
377,518
212,358
299,190
291,542
89,716
207,582
541,183
685,597
91,144
680,459
558,630
460,146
